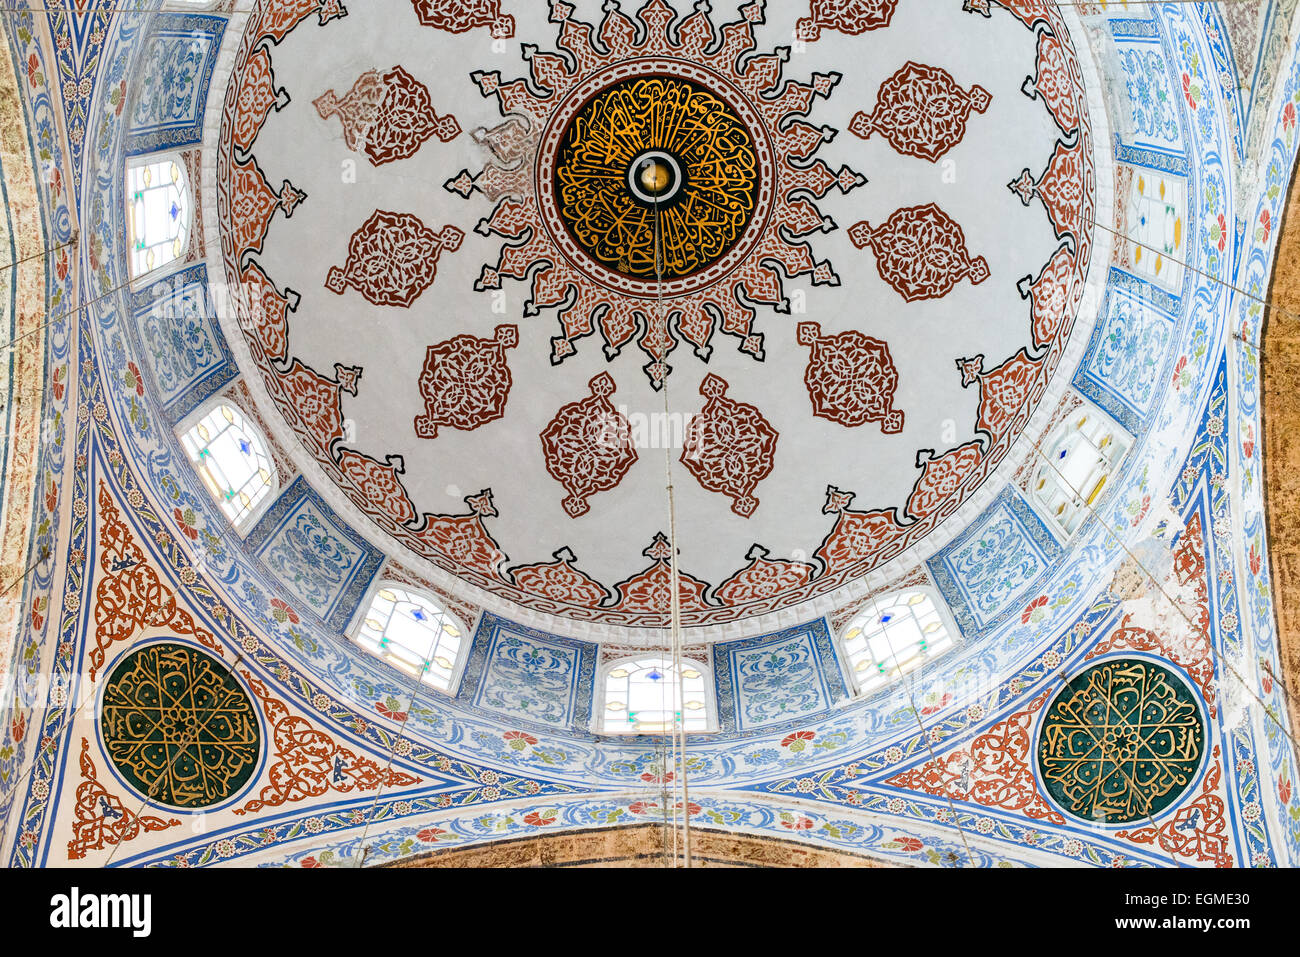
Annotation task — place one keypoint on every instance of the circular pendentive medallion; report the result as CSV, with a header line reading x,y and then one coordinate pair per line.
x,y
636,160
179,727
1121,742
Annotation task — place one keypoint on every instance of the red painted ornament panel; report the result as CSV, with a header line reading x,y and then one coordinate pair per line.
x,y
437,324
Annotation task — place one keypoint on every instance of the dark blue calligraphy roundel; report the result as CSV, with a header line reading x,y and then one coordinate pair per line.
x,y
179,727
1121,742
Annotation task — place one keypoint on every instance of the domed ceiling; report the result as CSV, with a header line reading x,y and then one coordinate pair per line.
x,y
526,266
839,274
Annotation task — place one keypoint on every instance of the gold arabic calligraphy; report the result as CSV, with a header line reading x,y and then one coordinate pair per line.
x,y
1121,742
179,727
710,206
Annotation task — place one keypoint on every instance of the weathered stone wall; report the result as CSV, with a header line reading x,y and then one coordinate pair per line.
x,y
641,846
1281,441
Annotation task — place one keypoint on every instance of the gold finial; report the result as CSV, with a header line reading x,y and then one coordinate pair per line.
x,y
654,176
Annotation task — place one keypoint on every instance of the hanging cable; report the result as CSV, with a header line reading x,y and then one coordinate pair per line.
x,y
674,573
43,253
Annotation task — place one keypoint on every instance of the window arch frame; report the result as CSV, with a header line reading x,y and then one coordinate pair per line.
x,y
153,273
599,702
244,523
465,638
886,604
1065,527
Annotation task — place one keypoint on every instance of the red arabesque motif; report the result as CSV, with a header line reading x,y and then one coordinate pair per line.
x,y
101,817
846,16
1198,830
1062,188
253,202
994,771
258,95
1028,12
387,115
460,16
921,111
719,298
1004,391
465,382
851,378
856,534
920,252
282,16
587,446
652,588
762,578
730,447
560,581
1187,644
1049,295
268,310
307,762
941,475
317,401
379,482
1052,82
461,544
464,539
392,258
130,596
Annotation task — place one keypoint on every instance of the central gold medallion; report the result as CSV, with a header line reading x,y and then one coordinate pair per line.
x,y
652,148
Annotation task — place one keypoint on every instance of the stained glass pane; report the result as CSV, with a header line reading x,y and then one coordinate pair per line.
x,y
409,631
645,696
159,207
893,637
232,460
1084,453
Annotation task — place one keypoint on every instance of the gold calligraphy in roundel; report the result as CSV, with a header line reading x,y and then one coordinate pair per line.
x,y
1121,742
660,147
179,727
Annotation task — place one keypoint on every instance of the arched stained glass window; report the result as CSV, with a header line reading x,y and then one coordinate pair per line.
x,y
642,695
893,637
1157,208
231,457
158,213
411,632
1082,454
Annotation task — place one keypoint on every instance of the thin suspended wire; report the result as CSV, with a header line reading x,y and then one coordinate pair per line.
x,y
224,527
417,685
1268,304
674,597
934,759
43,253
680,733
1200,272
66,314
45,553
925,737
1059,671
1227,665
